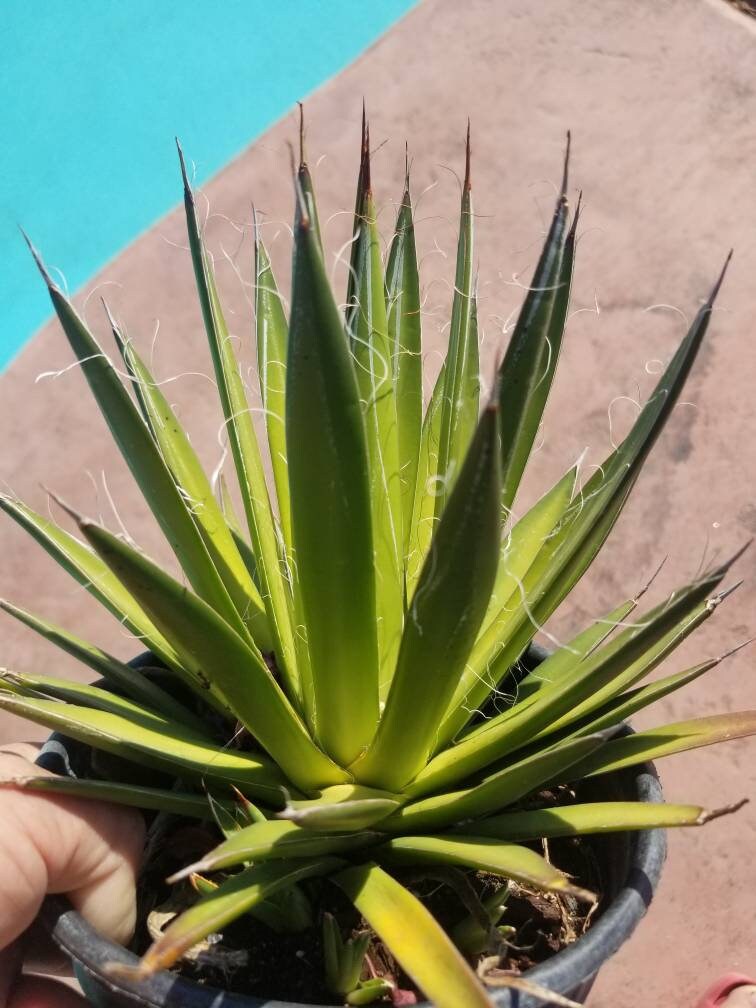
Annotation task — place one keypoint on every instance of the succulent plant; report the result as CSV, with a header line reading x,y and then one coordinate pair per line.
x,y
363,635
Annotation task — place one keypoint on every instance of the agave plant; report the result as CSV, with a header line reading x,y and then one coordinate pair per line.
x,y
364,633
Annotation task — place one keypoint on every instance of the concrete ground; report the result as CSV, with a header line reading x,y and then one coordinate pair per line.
x,y
661,99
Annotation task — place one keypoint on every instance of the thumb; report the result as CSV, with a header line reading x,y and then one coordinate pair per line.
x,y
50,844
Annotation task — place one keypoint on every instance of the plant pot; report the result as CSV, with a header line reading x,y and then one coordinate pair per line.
x,y
630,864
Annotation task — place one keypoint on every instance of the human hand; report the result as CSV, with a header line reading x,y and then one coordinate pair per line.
x,y
50,844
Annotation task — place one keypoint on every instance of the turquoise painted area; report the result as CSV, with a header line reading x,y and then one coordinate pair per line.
x,y
94,92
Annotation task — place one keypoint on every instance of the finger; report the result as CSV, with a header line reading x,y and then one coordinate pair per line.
x,y
40,992
88,850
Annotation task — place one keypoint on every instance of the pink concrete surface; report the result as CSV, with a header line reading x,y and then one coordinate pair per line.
x,y
661,100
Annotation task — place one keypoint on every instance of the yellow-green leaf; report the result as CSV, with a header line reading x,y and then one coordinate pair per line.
x,y
420,945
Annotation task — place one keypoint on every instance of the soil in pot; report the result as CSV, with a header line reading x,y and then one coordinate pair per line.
x,y
250,958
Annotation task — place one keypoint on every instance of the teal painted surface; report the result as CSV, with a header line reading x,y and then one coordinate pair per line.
x,y
94,92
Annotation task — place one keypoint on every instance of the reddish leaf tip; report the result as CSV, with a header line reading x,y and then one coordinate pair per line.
x,y
566,170
302,159
717,813
651,580
468,182
720,279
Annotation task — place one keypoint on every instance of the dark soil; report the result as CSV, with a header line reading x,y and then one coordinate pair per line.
x,y
250,958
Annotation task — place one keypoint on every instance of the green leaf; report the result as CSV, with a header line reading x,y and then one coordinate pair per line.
x,y
529,537
194,485
275,839
245,450
143,458
443,619
91,573
404,336
331,517
529,364
419,944
568,657
654,743
51,687
592,514
343,959
639,669
459,410
195,806
483,854
357,233
373,353
231,668
123,677
473,934
233,897
622,707
426,487
332,949
497,791
594,817
164,745
557,667
234,525
342,807
272,334
370,991
525,541
273,912
517,727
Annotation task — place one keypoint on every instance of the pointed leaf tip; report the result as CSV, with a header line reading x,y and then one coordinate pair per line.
x,y
302,159
365,163
715,290
566,171
724,810
111,320
468,183
576,217
639,595
38,260
72,513
722,657
184,175
726,592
